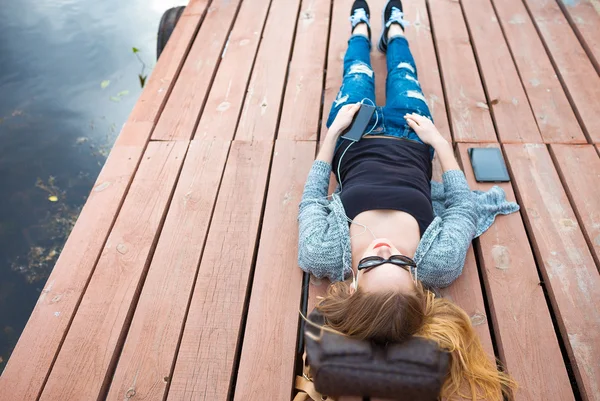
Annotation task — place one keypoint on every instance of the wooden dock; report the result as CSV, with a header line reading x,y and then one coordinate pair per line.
x,y
180,279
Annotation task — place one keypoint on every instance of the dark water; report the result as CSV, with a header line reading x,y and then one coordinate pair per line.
x,y
68,80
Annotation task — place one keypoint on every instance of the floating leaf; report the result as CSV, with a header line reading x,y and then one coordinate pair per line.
x,y
104,84
123,93
135,49
81,139
53,198
142,79
115,99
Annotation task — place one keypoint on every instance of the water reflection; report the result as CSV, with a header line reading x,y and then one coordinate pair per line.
x,y
68,78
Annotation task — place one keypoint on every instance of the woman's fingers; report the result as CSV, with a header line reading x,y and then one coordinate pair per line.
x,y
412,123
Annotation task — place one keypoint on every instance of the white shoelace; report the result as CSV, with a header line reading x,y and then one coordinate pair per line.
x,y
396,16
360,15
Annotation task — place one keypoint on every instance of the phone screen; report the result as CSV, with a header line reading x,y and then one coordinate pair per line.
x,y
488,165
359,123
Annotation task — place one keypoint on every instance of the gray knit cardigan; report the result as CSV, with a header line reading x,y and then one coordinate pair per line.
x,y
460,215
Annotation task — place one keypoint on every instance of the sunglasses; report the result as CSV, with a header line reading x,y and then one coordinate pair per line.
x,y
399,260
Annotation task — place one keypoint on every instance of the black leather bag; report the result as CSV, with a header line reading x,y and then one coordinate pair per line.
x,y
341,366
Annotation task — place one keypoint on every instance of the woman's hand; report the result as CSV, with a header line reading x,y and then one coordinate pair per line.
x,y
342,121
425,130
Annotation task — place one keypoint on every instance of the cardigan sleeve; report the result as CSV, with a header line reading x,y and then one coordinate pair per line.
x,y
456,227
319,244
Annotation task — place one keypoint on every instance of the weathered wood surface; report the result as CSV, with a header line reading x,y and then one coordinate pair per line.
x,y
525,337
181,265
563,257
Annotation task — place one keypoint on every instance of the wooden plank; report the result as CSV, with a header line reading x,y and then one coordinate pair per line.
x,y
263,100
524,334
150,348
555,117
178,120
466,290
24,375
226,95
579,168
511,111
205,360
302,102
269,345
91,346
162,79
584,17
338,43
564,259
421,45
195,7
580,79
466,293
469,113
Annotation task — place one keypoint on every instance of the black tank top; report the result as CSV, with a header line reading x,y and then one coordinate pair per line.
x,y
384,173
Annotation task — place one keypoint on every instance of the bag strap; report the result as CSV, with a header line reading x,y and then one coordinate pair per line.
x,y
305,386
306,390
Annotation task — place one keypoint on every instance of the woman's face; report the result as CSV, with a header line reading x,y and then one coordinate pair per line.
x,y
386,276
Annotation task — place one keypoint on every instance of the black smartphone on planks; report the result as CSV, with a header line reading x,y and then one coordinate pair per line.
x,y
488,165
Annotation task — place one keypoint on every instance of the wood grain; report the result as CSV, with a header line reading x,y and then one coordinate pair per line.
x,y
469,112
338,43
91,346
150,347
164,75
579,168
179,117
195,7
421,45
205,360
581,80
564,259
525,337
269,347
584,17
511,111
262,104
466,290
554,115
303,94
226,96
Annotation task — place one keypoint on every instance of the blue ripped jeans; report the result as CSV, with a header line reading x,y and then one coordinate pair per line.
x,y
403,91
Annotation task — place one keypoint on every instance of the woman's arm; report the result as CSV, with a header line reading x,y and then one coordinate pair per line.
x,y
444,256
320,250
316,246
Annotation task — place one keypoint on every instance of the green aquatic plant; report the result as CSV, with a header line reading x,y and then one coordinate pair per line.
x,y
142,75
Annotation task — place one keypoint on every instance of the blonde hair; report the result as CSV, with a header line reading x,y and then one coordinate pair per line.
x,y
390,316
